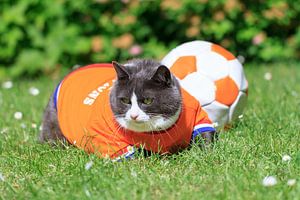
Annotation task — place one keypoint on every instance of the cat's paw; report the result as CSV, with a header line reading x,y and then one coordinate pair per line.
x,y
206,139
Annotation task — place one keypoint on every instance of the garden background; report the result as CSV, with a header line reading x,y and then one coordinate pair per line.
x,y
42,37
42,40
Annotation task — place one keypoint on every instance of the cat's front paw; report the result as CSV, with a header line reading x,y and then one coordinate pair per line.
x,y
205,139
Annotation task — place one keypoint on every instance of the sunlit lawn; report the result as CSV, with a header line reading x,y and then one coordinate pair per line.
x,y
233,169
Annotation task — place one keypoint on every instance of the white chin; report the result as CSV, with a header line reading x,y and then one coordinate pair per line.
x,y
153,124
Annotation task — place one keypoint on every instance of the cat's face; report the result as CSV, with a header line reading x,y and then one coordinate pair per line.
x,y
145,97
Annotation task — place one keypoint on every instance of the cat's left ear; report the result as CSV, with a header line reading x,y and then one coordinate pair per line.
x,y
162,75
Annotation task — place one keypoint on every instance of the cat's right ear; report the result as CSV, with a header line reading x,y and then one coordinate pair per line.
x,y
162,75
121,71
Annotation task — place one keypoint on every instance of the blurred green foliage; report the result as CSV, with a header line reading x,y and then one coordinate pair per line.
x,y
41,37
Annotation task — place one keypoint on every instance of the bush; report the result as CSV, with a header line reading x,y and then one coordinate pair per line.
x,y
42,37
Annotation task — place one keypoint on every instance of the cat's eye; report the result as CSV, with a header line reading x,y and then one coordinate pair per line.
x,y
148,101
125,100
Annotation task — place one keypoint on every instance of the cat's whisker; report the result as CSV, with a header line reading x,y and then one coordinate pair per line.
x,y
152,132
175,126
169,136
119,115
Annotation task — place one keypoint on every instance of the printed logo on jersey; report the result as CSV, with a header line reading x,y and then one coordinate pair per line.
x,y
93,95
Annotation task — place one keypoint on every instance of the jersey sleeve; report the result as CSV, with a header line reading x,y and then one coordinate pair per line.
x,y
126,153
202,123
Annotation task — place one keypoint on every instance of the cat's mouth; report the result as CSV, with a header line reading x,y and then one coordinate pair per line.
x,y
137,121
157,123
149,125
140,123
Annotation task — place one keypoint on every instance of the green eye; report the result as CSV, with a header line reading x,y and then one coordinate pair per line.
x,y
148,101
125,100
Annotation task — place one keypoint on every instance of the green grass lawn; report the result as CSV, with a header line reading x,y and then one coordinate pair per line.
x,y
233,169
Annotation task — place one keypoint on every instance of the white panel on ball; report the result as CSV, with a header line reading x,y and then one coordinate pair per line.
x,y
212,65
236,109
218,113
200,87
236,72
187,49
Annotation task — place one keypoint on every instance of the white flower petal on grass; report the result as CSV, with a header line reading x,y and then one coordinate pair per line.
x,y
7,84
165,162
87,192
34,91
33,125
4,130
88,165
291,182
51,165
23,125
133,173
241,116
286,158
1,177
269,181
268,76
18,115
294,93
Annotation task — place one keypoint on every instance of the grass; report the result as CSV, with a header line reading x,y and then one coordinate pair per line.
x,y
233,169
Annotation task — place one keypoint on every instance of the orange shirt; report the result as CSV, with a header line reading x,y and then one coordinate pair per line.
x,y
87,121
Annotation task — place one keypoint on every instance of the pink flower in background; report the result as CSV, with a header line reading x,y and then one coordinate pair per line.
x,y
259,38
135,50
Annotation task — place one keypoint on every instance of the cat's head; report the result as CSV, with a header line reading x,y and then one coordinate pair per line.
x,y
145,97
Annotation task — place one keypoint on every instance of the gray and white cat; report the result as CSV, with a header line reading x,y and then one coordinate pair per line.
x,y
145,98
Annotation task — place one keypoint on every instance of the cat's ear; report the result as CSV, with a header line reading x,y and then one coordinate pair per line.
x,y
162,75
121,71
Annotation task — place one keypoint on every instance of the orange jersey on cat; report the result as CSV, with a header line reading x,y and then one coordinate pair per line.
x,y
87,121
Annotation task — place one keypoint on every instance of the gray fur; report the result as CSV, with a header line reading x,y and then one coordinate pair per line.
x,y
50,128
145,82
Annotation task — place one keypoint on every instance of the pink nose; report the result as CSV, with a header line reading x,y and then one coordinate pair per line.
x,y
134,116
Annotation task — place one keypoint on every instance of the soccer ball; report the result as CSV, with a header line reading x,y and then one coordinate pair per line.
x,y
213,76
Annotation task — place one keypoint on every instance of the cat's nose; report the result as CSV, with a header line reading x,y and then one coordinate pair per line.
x,y
134,116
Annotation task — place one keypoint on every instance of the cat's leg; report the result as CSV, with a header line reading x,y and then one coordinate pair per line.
x,y
205,139
208,138
51,132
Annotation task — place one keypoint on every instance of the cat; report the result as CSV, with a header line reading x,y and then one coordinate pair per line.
x,y
145,98
142,102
